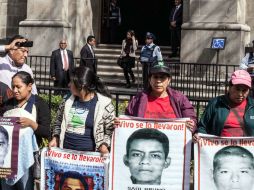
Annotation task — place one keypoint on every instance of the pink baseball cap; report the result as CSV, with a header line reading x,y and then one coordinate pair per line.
x,y
241,77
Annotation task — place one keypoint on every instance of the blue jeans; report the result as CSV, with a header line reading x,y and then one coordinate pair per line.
x,y
25,183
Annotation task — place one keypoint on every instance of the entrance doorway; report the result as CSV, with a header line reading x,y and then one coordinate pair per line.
x,y
141,16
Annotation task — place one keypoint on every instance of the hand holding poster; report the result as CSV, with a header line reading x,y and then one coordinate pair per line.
x,y
63,169
224,163
149,154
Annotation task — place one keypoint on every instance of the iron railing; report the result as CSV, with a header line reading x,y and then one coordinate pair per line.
x,y
121,99
195,80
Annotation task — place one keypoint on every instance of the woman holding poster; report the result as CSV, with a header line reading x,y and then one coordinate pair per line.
x,y
85,118
161,101
38,109
230,115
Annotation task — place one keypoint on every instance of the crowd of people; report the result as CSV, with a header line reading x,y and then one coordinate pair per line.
x,y
85,119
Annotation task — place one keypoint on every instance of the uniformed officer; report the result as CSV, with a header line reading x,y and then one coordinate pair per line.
x,y
150,53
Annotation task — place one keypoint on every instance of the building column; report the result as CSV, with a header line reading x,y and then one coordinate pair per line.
x,y
214,18
46,24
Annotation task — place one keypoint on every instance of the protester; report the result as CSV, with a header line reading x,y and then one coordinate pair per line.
x,y
85,118
247,63
230,115
13,62
176,20
150,53
129,46
12,45
87,55
148,147
233,168
23,98
61,65
161,101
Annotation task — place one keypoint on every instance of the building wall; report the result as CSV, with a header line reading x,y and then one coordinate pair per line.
x,y
11,13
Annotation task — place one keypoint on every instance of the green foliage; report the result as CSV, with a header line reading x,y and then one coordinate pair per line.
x,y
55,102
121,106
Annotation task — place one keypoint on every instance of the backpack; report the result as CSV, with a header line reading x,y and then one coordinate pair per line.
x,y
146,54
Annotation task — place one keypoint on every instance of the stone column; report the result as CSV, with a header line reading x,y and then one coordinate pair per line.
x,y
250,17
46,24
214,18
85,17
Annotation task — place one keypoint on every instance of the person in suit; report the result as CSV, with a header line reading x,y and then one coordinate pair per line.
x,y
87,55
176,20
61,65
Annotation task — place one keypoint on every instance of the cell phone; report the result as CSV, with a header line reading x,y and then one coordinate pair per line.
x,y
25,44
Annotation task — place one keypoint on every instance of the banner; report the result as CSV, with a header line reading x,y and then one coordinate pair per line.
x,y
150,154
224,163
68,169
9,146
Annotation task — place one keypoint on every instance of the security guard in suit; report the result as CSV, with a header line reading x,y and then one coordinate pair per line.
x,y
150,53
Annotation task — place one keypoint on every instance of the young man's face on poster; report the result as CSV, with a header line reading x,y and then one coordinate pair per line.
x,y
72,184
146,161
3,148
234,173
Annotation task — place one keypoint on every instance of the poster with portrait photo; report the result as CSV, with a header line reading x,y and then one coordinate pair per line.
x,y
148,154
61,169
223,163
9,145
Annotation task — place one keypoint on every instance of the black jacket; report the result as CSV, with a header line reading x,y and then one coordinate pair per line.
x,y
56,64
87,59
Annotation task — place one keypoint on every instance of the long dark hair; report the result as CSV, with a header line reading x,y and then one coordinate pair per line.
x,y
128,47
85,78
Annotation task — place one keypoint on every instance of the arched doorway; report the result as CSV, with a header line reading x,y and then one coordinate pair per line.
x,y
141,16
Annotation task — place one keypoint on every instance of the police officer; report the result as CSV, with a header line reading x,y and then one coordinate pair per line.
x,y
150,54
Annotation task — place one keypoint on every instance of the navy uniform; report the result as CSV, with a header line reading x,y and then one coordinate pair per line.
x,y
150,53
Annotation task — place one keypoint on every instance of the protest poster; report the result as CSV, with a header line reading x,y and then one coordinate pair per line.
x,y
223,163
9,145
62,169
150,154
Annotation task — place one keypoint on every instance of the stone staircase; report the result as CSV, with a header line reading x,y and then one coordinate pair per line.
x,y
194,80
112,74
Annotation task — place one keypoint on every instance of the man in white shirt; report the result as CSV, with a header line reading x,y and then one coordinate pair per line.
x,y
87,55
61,65
13,62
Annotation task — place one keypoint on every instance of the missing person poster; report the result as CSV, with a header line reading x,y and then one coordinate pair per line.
x,y
68,169
9,146
150,155
224,163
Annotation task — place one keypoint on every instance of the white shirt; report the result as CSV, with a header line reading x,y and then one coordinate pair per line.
x,y
91,49
8,69
62,56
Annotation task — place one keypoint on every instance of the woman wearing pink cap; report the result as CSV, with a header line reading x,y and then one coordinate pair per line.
x,y
230,115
